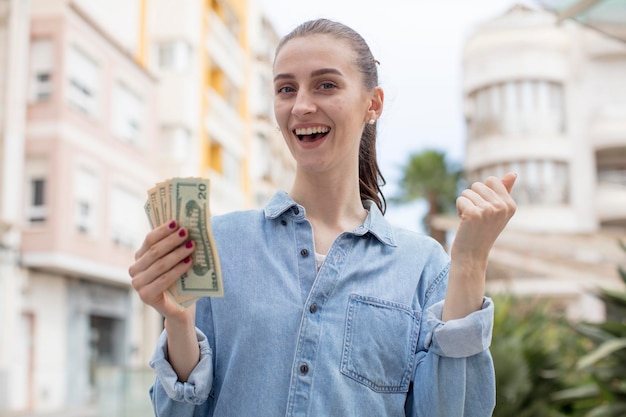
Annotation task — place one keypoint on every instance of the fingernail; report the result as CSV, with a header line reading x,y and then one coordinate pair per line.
x,y
172,224
182,233
189,244
187,260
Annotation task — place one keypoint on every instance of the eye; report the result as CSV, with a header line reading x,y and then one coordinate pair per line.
x,y
285,90
327,86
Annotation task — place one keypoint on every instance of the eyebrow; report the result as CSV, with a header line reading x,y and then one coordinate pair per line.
x,y
316,73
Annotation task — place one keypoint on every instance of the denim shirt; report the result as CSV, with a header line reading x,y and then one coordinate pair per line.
x,y
362,336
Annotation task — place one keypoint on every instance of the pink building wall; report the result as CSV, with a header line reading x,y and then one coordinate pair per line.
x,y
66,138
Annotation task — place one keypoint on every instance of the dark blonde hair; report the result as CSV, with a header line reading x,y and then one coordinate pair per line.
x,y
370,178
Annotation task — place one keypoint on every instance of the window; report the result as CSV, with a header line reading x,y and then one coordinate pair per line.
x,y
126,218
176,142
127,114
41,66
37,207
174,55
83,81
36,191
542,182
527,107
262,162
225,87
215,152
232,169
86,190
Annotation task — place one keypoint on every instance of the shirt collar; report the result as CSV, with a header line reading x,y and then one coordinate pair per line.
x,y
375,223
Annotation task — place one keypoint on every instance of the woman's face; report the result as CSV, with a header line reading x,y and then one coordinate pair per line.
x,y
320,103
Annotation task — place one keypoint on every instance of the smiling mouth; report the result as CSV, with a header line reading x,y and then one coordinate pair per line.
x,y
311,134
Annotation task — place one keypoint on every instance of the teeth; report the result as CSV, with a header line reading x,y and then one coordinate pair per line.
x,y
312,130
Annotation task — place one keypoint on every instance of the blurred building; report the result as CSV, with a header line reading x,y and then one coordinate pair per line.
x,y
213,60
200,51
271,164
14,36
545,97
87,153
98,101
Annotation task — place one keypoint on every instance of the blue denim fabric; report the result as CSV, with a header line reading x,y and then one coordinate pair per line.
x,y
361,337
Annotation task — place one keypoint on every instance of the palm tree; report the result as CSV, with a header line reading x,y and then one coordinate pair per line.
x,y
428,175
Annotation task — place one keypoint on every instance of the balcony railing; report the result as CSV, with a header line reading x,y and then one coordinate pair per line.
x,y
225,50
613,177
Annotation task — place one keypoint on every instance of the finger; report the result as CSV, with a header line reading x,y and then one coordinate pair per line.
x,y
159,249
502,188
161,266
509,180
474,195
155,236
154,289
464,205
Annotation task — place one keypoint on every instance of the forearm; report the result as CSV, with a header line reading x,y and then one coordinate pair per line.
x,y
182,344
466,287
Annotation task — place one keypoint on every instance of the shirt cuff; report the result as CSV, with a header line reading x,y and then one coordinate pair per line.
x,y
198,386
460,338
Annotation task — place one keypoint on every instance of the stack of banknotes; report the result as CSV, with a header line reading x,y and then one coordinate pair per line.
x,y
186,200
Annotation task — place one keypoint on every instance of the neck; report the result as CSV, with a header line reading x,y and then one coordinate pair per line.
x,y
330,201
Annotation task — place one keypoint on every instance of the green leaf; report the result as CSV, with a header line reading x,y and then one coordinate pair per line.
x,y
608,410
604,350
577,393
593,332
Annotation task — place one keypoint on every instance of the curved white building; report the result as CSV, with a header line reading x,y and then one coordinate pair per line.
x,y
546,97
548,101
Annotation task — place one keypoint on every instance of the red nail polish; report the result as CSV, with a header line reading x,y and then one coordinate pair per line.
x,y
172,224
189,244
182,233
187,260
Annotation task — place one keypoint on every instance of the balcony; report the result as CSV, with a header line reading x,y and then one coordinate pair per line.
x,y
224,124
608,126
610,197
225,50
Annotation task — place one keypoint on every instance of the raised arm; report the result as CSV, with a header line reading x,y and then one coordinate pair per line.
x,y
484,210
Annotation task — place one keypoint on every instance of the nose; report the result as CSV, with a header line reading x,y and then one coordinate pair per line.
x,y
304,104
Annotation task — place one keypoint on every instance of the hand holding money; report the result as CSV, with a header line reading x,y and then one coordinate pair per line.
x,y
187,201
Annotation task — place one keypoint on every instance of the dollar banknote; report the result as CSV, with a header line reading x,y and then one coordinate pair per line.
x,y
188,203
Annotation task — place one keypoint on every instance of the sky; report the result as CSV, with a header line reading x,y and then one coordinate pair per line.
x,y
420,46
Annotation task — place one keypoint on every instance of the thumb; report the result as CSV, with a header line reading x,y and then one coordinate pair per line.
x,y
508,180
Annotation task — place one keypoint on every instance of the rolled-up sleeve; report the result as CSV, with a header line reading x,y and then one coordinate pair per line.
x,y
180,395
454,376
460,338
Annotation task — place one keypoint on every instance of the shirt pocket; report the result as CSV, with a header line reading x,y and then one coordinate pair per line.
x,y
379,343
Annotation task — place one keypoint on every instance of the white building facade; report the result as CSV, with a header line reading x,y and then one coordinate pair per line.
x,y
88,156
548,101
272,166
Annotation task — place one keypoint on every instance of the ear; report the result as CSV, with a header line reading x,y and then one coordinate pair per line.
x,y
375,109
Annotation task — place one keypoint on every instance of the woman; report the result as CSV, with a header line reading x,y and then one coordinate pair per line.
x,y
328,309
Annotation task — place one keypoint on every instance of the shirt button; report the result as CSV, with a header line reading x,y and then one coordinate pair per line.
x,y
304,252
296,210
304,369
313,308
283,222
